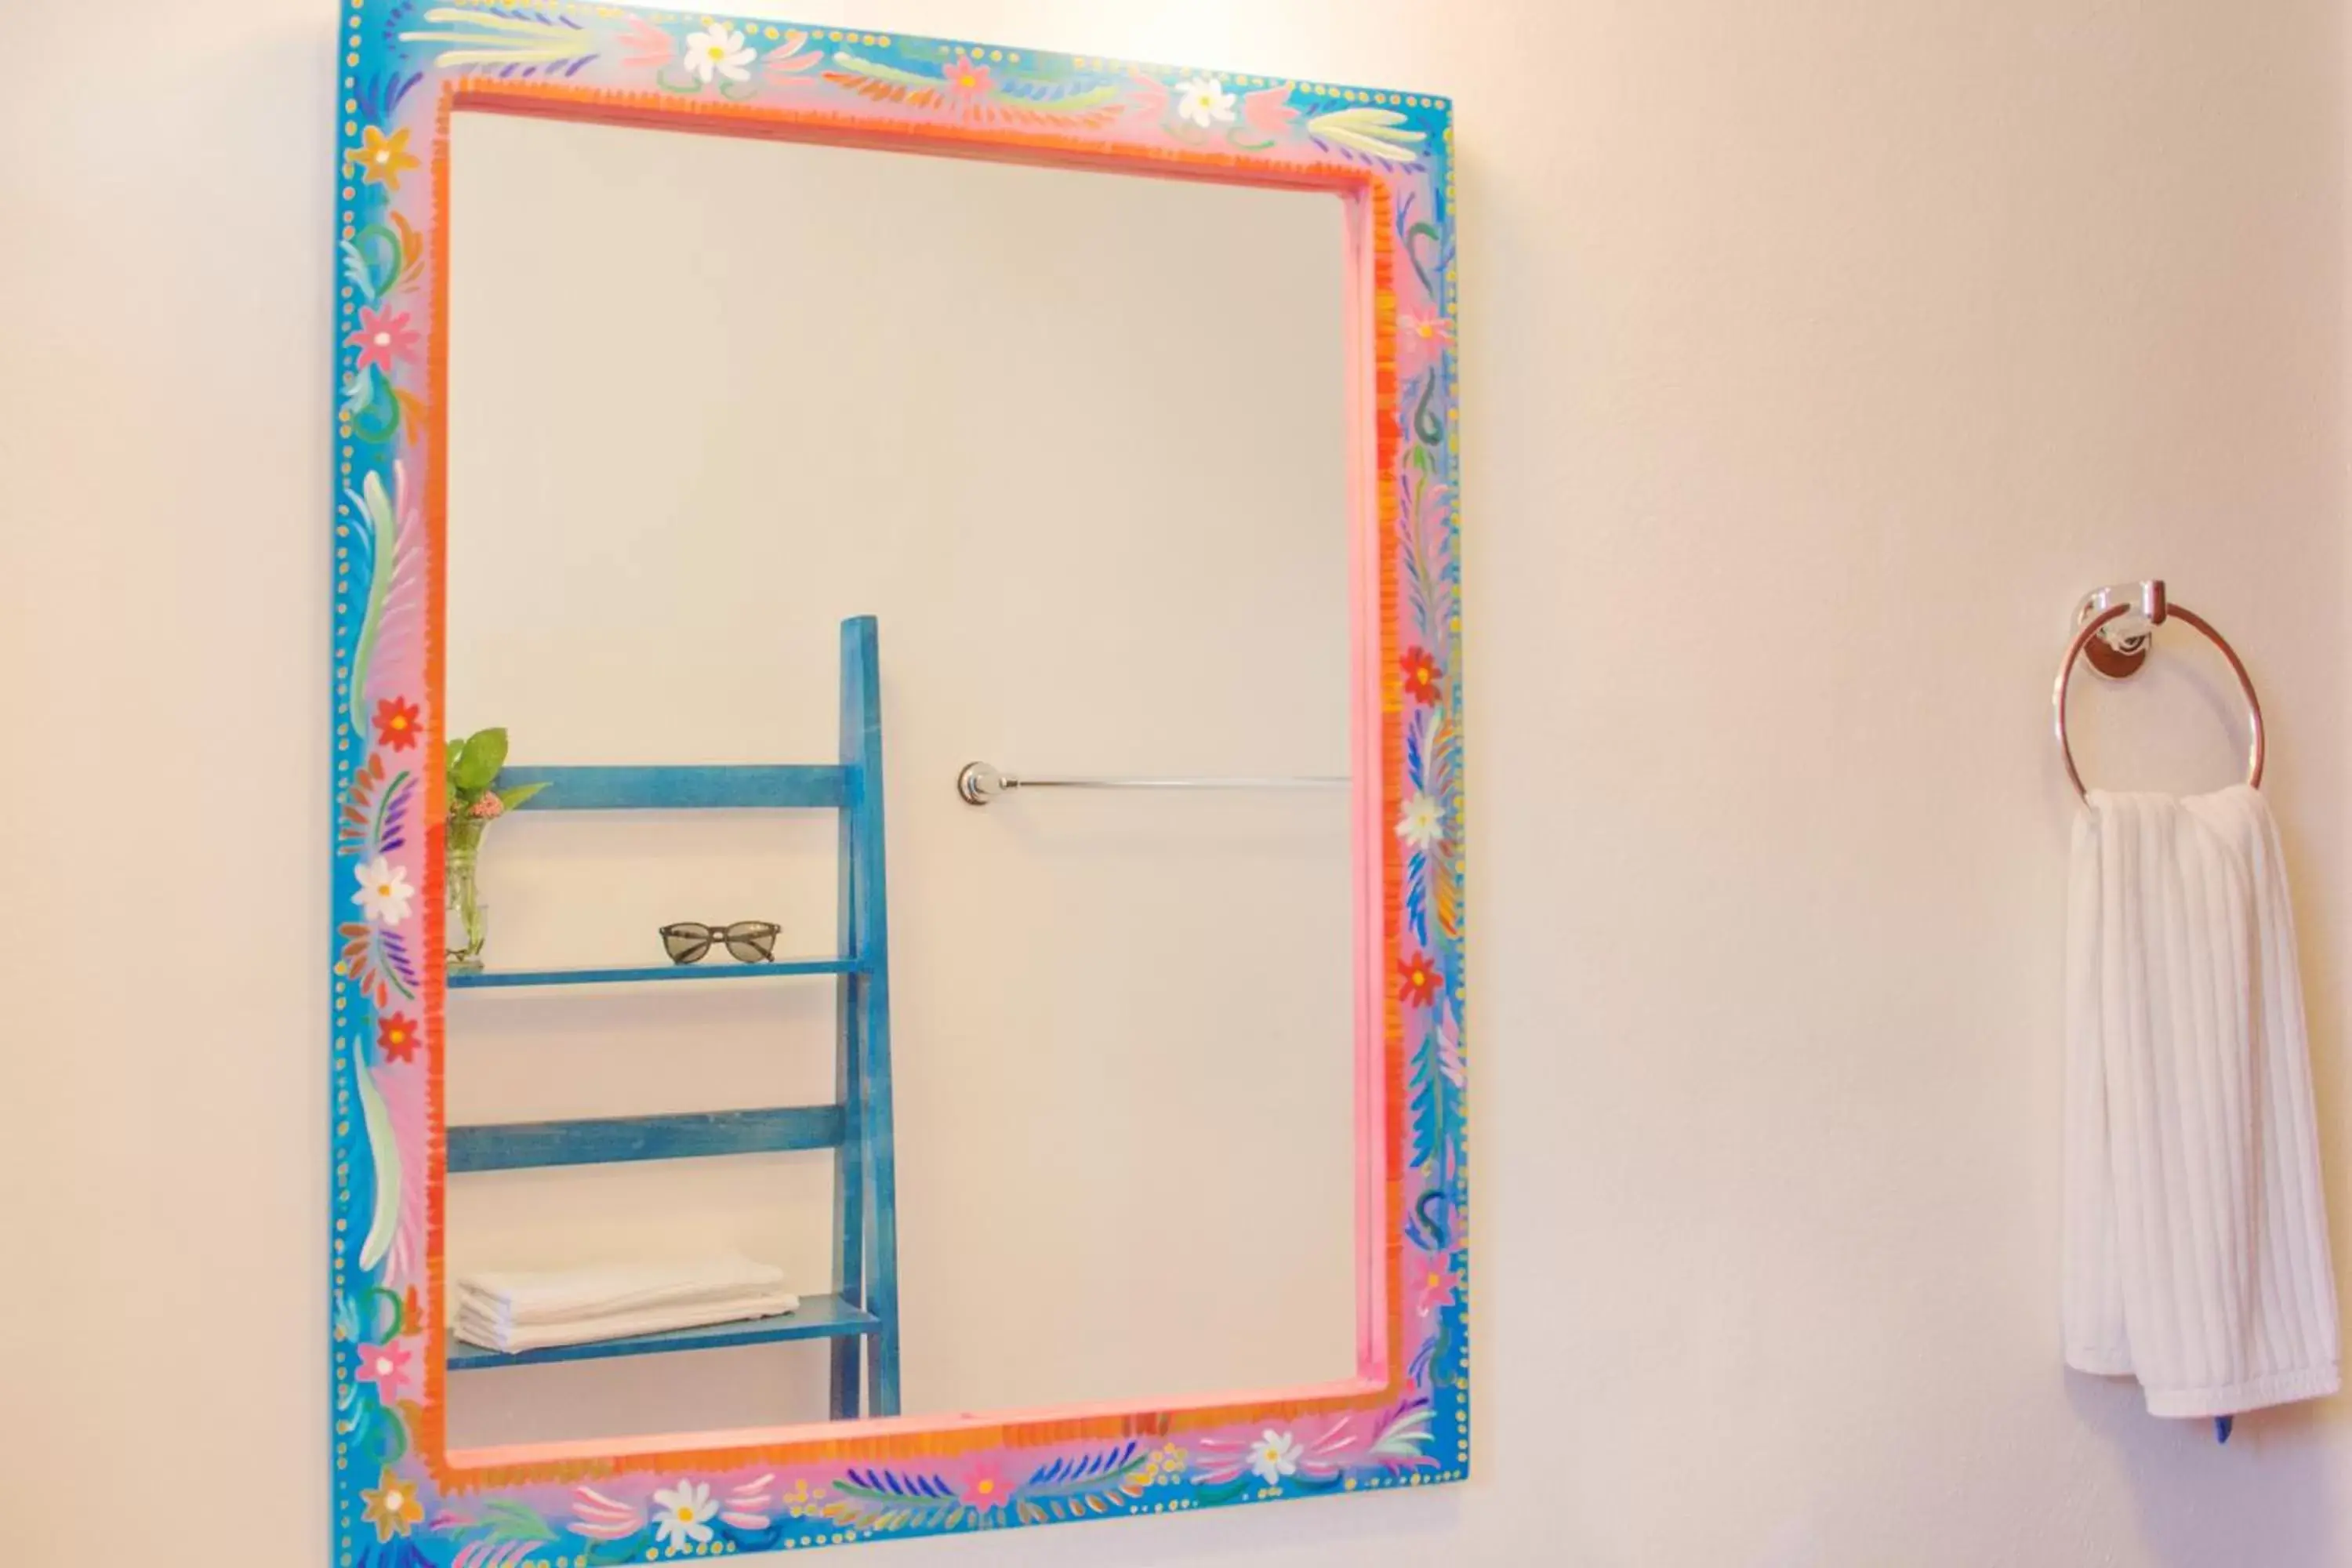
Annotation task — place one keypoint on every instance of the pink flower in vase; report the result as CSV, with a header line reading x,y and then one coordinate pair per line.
x,y
386,1366
489,805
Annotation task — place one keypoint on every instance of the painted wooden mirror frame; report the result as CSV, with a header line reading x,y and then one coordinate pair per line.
x,y
401,1496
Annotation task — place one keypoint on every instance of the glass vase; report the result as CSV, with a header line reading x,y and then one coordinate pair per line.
x,y
468,924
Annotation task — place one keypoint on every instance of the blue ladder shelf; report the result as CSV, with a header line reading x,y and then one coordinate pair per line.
x,y
860,1315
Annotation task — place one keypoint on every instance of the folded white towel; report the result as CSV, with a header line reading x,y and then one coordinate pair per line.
x,y
498,1335
566,1295
2196,1244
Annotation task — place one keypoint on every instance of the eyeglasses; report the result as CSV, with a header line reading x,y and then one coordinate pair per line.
x,y
752,941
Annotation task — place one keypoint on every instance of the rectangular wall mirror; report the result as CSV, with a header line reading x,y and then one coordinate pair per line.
x,y
898,927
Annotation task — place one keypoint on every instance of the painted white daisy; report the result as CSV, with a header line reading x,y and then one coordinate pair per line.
x,y
682,1515
1423,822
719,52
1273,1455
1205,101
383,892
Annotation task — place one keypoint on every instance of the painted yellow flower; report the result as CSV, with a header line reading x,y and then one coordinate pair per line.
x,y
382,159
391,1507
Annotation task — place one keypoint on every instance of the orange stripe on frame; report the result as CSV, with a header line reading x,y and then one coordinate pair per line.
x,y
431,1423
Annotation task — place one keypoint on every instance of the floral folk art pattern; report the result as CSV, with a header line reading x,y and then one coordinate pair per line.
x,y
401,1499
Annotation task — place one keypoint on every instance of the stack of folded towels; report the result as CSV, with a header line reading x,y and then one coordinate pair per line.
x,y
512,1311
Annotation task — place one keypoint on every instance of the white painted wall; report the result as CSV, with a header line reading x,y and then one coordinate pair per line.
x,y
1079,443
1816,357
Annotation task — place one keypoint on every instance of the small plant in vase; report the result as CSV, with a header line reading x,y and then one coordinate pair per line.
x,y
474,764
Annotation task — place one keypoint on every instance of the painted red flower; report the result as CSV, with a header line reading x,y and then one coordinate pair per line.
x,y
1420,675
395,1038
383,336
1417,979
397,723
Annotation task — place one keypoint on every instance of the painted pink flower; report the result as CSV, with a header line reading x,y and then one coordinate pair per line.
x,y
1435,329
386,1366
1268,113
984,1488
966,78
383,337
1435,1288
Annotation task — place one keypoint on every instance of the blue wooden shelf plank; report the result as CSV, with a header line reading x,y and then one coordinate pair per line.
x,y
678,789
817,1318
609,1140
712,968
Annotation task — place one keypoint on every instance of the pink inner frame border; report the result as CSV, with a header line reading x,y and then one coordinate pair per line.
x,y
1371,806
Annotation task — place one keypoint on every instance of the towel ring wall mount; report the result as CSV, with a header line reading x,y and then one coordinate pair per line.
x,y
2117,626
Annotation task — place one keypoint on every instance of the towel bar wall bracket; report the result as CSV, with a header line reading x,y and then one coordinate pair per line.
x,y
2121,647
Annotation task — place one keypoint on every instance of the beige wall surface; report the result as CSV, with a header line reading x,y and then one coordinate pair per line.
x,y
1815,357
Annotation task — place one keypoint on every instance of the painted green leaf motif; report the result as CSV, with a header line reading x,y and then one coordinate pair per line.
x,y
1375,133
379,522
506,1519
383,1150
489,38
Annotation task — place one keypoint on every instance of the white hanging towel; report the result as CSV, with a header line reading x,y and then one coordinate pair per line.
x,y
2196,1229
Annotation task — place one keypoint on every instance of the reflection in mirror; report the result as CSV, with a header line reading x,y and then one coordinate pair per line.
x,y
1076,442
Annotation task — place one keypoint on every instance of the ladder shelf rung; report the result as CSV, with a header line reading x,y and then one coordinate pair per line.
x,y
612,1140
746,786
712,968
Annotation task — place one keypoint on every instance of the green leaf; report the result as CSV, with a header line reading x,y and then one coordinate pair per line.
x,y
455,748
520,793
504,1520
484,754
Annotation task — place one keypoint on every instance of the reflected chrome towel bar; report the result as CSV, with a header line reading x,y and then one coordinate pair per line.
x,y
979,782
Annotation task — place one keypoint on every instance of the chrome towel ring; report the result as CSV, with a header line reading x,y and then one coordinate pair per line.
x,y
2121,647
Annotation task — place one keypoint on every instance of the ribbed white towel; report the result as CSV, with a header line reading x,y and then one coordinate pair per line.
x,y
2195,1247
560,1295
518,1311
494,1334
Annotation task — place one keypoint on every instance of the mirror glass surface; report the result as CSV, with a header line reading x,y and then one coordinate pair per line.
x,y
1078,441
